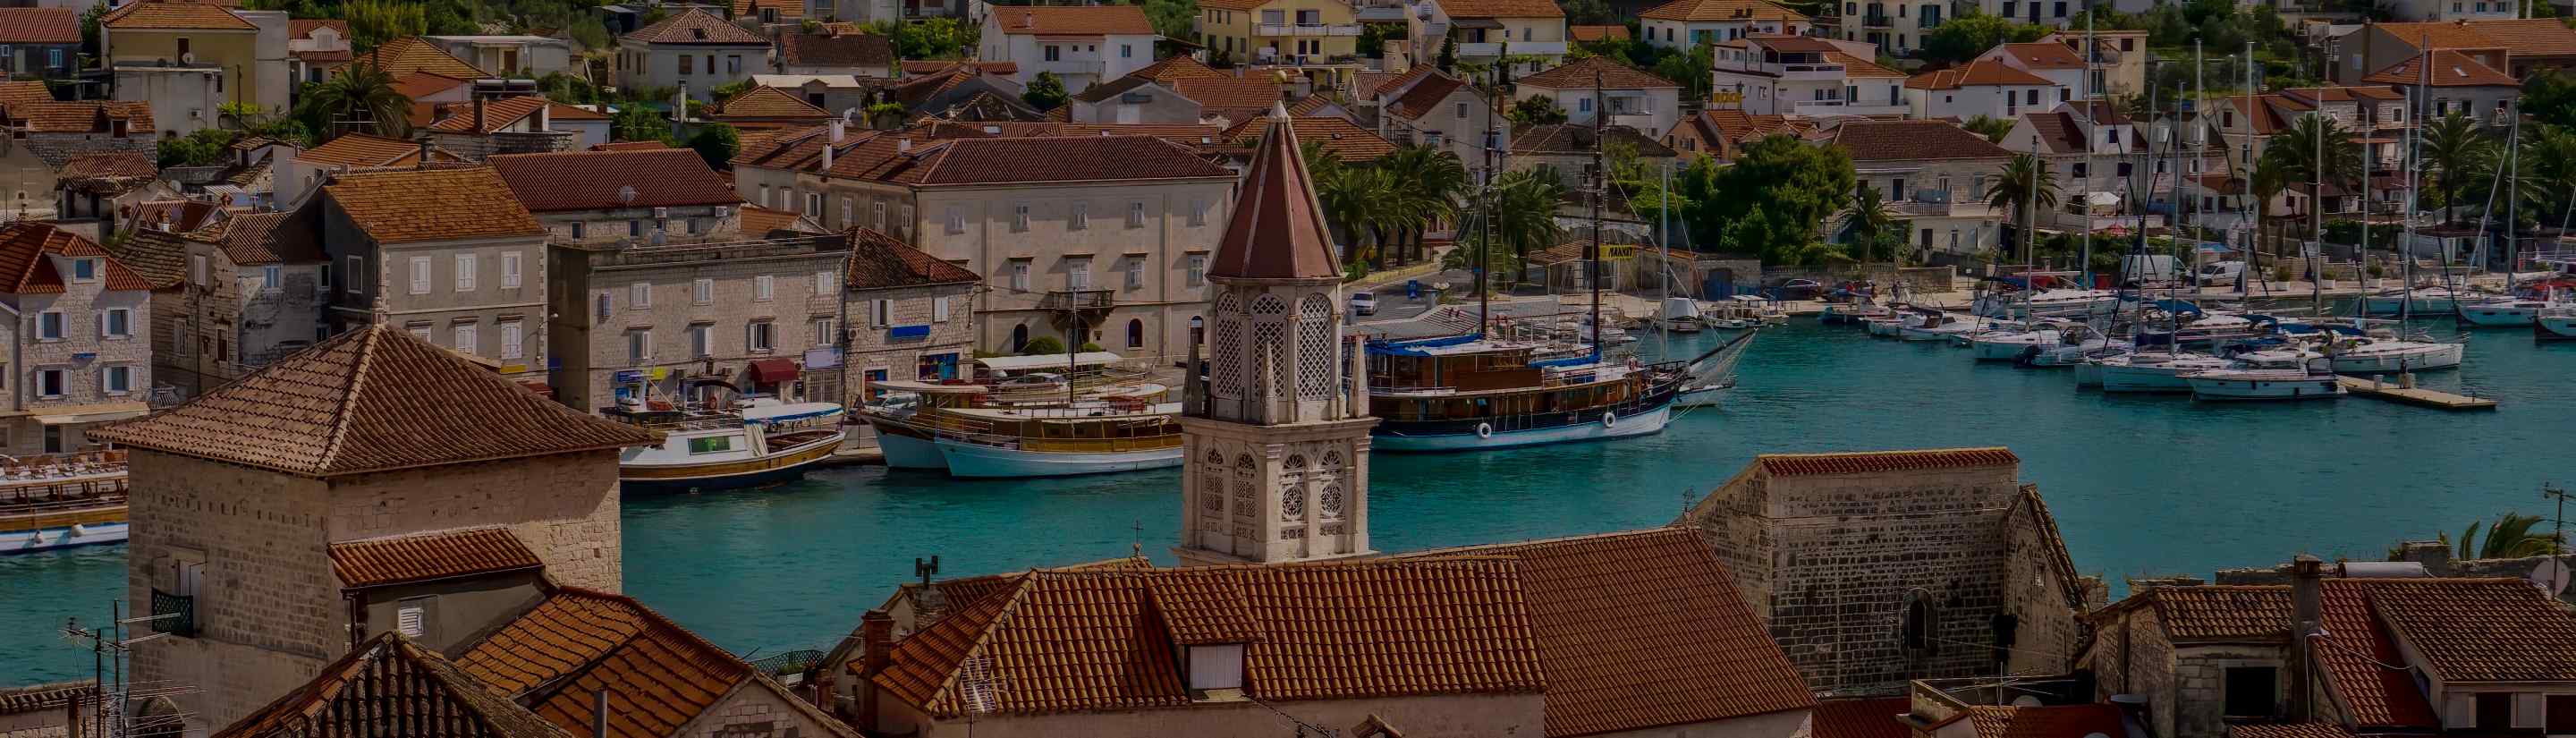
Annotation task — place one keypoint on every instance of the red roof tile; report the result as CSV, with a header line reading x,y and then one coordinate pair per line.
x,y
25,270
912,67
1278,229
362,151
1342,138
250,239
1046,159
175,14
303,28
2288,730
1863,718
880,261
1644,629
593,180
407,205
1597,33
1176,68
1501,8
85,116
369,400
1717,10
128,164
2044,55
407,55
2217,612
393,681
14,93
769,102
429,556
497,114
1073,20
2529,38
2056,721
554,658
1979,73
39,26
1425,96
2450,69
695,26
2354,647
1579,74
1873,462
2480,630
836,50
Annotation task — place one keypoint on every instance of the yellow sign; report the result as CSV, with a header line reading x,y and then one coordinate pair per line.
x,y
1726,98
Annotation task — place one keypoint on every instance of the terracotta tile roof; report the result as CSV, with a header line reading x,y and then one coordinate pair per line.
x,y
14,93
2287,730
1914,140
2217,612
768,102
836,50
368,400
2058,130
2443,35
1862,718
1235,98
1278,229
1310,105
1366,85
2354,647
1088,640
428,556
1501,8
2044,55
553,658
497,114
1717,10
1176,68
1044,159
2529,38
1340,137
1854,66
1577,139
300,28
1979,73
1425,96
1597,33
131,164
1239,6
39,26
175,14
34,697
789,11
630,146
1071,20
2480,630
1202,608
86,116
1644,629
2450,69
329,58
911,67
398,206
362,151
1579,74
252,239
880,261
2056,721
391,681
591,180
695,26
1873,462
417,85
159,257
24,270
758,221
407,55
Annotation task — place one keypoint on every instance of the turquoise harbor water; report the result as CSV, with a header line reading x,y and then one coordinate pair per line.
x,y
2139,485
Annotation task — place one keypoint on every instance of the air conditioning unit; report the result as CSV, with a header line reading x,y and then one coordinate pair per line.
x,y
723,212
661,213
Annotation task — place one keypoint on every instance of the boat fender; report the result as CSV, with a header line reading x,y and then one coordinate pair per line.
x,y
1609,419
1484,430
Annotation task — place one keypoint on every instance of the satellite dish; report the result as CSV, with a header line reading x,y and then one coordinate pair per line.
x,y
2551,576
626,194
2026,701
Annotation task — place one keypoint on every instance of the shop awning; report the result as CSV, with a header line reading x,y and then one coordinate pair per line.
x,y
773,371
539,387
99,413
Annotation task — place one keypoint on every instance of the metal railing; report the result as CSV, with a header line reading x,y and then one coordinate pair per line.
x,y
1084,299
174,614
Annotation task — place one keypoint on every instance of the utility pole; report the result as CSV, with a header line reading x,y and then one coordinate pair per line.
x,y
2558,535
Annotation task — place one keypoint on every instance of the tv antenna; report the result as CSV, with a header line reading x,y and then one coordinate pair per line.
x,y
2558,534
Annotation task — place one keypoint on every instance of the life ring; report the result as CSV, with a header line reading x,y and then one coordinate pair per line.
x,y
1609,419
1484,430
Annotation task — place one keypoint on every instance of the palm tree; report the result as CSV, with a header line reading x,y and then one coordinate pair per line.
x,y
1351,202
1870,220
1430,181
2454,152
2270,177
1525,211
362,97
2510,538
2027,186
2549,165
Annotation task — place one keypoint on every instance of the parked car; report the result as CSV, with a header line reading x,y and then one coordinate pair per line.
x,y
1363,303
1797,289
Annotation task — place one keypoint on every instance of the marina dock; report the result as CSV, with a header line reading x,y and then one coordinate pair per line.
x,y
2417,396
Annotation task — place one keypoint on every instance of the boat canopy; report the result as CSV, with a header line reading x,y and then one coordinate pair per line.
x,y
789,412
2177,307
1570,361
1047,361
906,385
2306,328
1421,346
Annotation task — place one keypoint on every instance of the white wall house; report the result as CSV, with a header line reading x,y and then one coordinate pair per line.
x,y
1683,24
1805,77
694,49
1984,88
1486,30
1083,46
1632,98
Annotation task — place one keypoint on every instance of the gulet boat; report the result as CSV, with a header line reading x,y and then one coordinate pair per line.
x,y
756,442
64,501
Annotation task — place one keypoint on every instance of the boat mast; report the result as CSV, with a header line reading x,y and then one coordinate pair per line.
x,y
1664,264
1600,191
1485,228
2317,250
2084,197
2361,254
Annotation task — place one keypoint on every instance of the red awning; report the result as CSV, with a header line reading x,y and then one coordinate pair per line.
x,y
773,371
539,387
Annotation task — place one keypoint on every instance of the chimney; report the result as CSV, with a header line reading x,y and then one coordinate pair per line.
x,y
2305,609
478,114
839,129
876,640
903,145
1030,18
827,156
546,116
424,151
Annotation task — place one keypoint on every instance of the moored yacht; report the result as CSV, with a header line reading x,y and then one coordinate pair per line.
x,y
755,442
1465,393
2154,371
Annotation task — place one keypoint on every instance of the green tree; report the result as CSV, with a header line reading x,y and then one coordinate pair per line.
x,y
360,98
1448,59
1535,110
886,115
2271,176
1044,93
2455,152
716,143
1590,13
1994,129
727,91
932,38
2549,96
1525,212
1042,346
204,148
89,24
1173,18
2026,189
1693,70
1872,224
636,121
373,22
1961,39
567,89
2511,537
1430,181
1771,202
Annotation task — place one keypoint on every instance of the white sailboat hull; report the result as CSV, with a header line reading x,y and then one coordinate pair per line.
x,y
2556,327
2152,378
50,539
2499,316
2252,386
1646,423
972,460
2088,374
2420,357
1708,396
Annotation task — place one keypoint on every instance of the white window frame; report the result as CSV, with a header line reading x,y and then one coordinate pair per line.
x,y
1136,214
1198,211
513,339
1020,218
1197,273
824,334
420,275
1081,217
465,269
763,287
639,296
51,325
639,345
509,270
107,320
357,267
1077,274
61,383
826,283
89,265
116,380
1135,273
467,337
702,341
956,220
198,273
1020,276
939,309
760,336
272,278
702,291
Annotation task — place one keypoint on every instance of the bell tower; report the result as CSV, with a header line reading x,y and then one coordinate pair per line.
x,y
1276,434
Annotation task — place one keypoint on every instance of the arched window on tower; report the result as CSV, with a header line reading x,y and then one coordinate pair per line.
x,y
1918,622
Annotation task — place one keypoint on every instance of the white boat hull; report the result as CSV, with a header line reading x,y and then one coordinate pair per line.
x,y
1646,423
2228,388
2499,316
2556,328
906,452
1708,396
1882,327
2428,357
51,539
2008,350
2151,378
2088,374
2391,304
972,460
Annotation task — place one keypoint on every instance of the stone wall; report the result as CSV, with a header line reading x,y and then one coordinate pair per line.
x,y
755,710
2047,625
1916,279
2132,656
872,348
564,507
2199,702
1442,716
267,607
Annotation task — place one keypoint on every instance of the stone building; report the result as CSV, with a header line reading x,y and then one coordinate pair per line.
x,y
1273,426
1934,175
1109,237
247,499
481,129
78,335
586,197
1876,568
636,321
911,315
232,297
693,50
54,143
448,255
188,58
2198,655
1425,107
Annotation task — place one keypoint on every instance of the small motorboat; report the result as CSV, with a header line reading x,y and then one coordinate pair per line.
x,y
2374,355
1680,315
1938,327
2006,345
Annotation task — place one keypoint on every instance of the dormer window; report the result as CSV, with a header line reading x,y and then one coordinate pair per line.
x,y
84,270
1215,666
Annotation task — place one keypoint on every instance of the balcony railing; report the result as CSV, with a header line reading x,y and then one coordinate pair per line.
x,y
1877,21
1480,49
1086,299
1808,71
174,614
1072,66
1306,29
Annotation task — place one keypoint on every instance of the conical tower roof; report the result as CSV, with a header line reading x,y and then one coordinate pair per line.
x,y
1278,229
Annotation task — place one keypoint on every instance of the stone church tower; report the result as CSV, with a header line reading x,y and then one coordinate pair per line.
x,y
1277,440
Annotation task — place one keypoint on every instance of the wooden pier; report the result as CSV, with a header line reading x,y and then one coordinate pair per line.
x,y
2417,396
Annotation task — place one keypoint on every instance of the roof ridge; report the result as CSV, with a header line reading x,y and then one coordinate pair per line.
x,y
349,397
983,637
